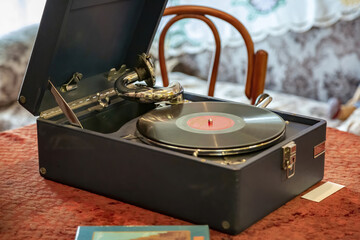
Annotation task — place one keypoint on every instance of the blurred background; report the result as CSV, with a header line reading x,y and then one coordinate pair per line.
x,y
313,46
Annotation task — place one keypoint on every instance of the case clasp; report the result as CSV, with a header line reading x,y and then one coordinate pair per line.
x,y
289,159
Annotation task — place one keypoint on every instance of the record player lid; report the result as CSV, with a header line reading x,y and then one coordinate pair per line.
x,y
90,37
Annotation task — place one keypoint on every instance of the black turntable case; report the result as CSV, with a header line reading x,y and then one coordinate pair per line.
x,y
92,36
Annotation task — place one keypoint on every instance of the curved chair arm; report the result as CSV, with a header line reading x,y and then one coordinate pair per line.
x,y
257,63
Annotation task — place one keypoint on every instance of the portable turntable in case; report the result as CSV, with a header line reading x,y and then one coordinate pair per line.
x,y
197,158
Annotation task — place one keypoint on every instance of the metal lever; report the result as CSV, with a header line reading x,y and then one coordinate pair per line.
x,y
263,100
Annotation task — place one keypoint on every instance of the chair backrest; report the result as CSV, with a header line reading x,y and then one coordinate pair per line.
x,y
257,62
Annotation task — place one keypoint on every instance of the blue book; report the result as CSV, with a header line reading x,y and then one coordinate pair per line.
x,y
195,232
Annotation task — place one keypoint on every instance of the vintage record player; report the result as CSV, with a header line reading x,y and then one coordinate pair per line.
x,y
197,158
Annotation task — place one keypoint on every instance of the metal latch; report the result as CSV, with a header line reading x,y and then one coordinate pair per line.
x,y
289,159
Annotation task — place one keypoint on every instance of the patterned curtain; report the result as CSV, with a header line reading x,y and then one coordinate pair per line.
x,y
261,17
311,60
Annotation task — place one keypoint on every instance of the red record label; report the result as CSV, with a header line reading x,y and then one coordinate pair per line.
x,y
210,123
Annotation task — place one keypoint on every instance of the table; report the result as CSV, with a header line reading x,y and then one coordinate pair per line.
x,y
34,208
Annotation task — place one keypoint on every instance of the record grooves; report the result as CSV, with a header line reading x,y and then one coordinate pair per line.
x,y
211,128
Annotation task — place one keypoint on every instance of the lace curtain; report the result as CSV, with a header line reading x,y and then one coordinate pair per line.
x,y
312,60
260,17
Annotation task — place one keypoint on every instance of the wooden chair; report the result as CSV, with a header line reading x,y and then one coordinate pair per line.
x,y
257,62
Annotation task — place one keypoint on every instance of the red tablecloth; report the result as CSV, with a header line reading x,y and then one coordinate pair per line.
x,y
34,208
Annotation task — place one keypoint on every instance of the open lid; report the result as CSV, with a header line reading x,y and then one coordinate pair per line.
x,y
90,37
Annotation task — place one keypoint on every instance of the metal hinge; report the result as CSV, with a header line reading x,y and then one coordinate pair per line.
x,y
289,159
72,84
114,74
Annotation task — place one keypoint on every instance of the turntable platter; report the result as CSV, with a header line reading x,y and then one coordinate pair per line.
x,y
211,128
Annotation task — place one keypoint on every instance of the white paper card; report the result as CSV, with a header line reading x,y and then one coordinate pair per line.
x,y
322,191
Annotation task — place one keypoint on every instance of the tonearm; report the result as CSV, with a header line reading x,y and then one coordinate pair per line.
x,y
144,71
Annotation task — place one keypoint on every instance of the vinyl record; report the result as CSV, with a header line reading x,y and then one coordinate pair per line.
x,y
211,128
